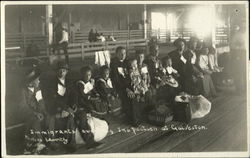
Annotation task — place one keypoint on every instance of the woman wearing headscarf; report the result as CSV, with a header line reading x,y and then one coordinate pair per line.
x,y
178,60
193,74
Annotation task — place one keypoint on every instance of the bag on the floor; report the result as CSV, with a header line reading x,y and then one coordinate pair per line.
x,y
98,127
199,106
160,116
181,109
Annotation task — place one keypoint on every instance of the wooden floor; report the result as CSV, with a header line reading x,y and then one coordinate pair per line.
x,y
225,131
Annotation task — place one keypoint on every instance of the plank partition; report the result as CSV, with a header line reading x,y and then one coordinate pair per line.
x,y
86,49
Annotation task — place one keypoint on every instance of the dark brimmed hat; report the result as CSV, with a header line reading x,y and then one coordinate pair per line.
x,y
179,40
62,65
33,74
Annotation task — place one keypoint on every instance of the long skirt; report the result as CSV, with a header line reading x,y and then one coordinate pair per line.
x,y
99,107
208,86
114,104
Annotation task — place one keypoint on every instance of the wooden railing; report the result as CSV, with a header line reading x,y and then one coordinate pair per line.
x,y
16,44
23,40
88,49
222,36
166,36
80,37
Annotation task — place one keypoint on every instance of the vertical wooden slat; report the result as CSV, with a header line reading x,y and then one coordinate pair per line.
x,y
24,45
127,45
82,49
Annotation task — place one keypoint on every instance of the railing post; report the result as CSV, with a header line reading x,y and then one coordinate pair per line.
x,y
24,45
73,37
127,45
106,45
82,51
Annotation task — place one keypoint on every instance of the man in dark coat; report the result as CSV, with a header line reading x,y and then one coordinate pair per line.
x,y
119,72
60,103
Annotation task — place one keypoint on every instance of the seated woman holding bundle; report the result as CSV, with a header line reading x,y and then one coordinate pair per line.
x,y
169,80
179,62
105,88
193,74
208,86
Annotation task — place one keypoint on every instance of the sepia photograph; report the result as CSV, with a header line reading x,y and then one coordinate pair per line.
x,y
124,78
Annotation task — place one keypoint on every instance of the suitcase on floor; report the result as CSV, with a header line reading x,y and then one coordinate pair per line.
x,y
182,112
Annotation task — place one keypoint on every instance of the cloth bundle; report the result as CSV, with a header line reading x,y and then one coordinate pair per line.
x,y
98,127
102,58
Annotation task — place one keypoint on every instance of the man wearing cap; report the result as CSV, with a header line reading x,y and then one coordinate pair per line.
x,y
33,110
62,103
